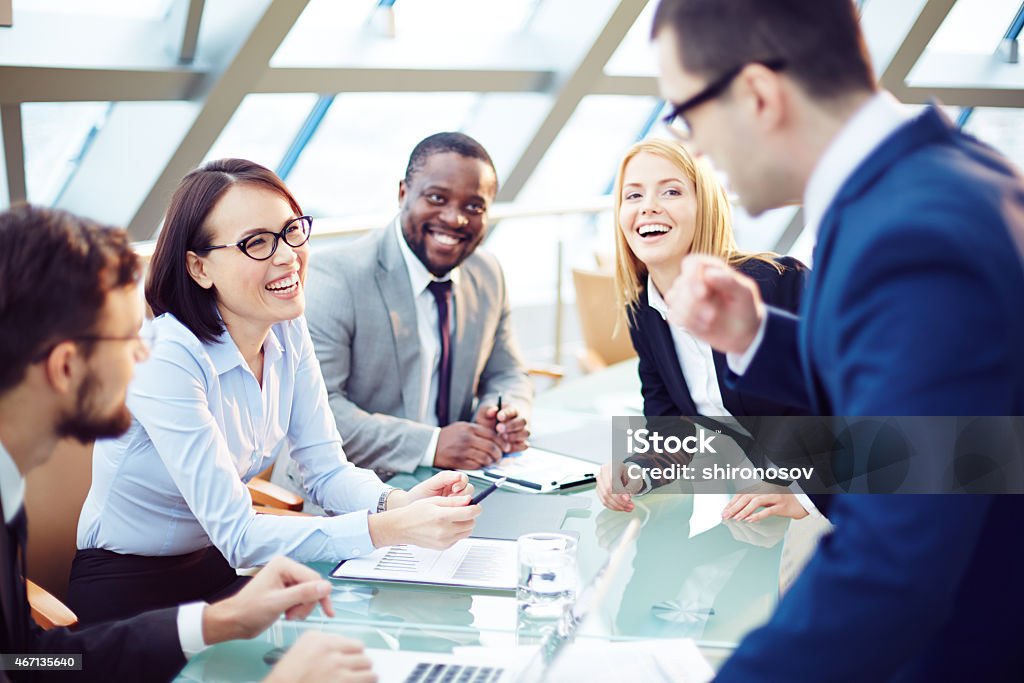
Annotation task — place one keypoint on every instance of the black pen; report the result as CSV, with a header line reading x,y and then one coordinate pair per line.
x,y
487,491
520,482
499,407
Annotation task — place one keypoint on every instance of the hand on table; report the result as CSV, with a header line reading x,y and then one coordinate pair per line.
x,y
753,507
620,502
318,657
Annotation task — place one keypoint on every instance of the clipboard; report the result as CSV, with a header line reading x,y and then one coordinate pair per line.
x,y
536,470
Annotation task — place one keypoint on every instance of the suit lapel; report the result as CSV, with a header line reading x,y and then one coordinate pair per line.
x,y
393,282
465,343
929,127
14,599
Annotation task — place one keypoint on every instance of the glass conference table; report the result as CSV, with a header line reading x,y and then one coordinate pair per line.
x,y
689,575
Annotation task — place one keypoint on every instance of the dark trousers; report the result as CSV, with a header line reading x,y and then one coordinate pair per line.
x,y
106,585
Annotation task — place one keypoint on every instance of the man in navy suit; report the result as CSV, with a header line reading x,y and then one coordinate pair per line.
x,y
913,308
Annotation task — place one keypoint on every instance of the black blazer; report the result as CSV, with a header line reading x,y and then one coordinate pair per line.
x,y
145,647
661,377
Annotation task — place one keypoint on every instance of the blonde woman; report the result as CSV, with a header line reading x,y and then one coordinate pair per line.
x,y
668,205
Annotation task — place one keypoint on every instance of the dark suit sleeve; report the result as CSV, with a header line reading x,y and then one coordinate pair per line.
x,y
775,372
891,599
657,400
146,647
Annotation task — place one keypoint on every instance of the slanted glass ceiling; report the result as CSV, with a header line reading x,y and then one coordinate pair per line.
x,y
350,167
55,136
974,26
141,9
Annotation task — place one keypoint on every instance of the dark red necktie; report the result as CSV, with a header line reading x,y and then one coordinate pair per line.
x,y
442,292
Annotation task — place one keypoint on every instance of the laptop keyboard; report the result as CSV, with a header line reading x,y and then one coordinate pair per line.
x,y
453,673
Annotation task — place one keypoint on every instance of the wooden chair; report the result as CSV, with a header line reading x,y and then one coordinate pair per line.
x,y
599,314
48,611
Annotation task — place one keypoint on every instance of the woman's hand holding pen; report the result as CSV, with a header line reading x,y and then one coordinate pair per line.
x,y
442,484
435,523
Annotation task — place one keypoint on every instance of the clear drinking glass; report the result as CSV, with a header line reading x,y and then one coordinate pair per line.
x,y
547,574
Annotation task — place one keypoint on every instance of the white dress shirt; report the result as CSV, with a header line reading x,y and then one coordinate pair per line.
x,y
696,360
866,130
12,489
430,341
203,425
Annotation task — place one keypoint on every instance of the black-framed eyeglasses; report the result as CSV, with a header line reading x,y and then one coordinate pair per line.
x,y
676,120
262,245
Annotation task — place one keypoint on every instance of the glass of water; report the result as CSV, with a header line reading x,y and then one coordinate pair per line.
x,y
547,575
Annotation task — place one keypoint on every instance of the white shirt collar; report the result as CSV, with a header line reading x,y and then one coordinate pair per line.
x,y
655,300
419,276
859,138
12,485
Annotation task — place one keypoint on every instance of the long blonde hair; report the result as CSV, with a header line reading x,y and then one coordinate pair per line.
x,y
712,234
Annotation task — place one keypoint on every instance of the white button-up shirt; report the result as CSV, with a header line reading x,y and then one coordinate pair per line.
x,y
203,425
696,360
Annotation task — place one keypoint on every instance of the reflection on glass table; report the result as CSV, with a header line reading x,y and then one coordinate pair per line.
x,y
689,575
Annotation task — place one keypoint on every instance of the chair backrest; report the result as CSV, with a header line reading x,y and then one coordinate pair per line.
x,y
598,313
54,494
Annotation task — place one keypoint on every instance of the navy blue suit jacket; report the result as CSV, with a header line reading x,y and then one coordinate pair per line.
x,y
145,647
913,308
661,377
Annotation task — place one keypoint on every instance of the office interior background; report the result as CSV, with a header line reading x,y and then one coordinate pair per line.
x,y
106,104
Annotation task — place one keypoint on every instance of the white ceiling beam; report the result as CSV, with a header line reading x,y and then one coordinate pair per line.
x,y
190,36
640,86
225,92
67,84
14,152
362,79
964,97
577,85
64,84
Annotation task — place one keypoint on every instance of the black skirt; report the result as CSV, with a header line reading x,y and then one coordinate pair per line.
x,y
105,585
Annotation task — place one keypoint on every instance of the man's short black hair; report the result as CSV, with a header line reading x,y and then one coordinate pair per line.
x,y
439,143
819,41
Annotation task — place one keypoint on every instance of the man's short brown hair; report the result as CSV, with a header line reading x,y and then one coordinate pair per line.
x,y
55,272
819,41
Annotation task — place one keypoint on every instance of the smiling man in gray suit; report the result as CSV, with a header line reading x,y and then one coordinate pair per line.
x,y
411,324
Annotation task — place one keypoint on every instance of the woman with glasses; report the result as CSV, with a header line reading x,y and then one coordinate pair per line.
x,y
231,381
668,205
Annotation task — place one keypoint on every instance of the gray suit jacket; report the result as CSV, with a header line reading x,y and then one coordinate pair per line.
x,y
362,318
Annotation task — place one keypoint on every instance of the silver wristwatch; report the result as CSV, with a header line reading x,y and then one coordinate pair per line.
x,y
382,502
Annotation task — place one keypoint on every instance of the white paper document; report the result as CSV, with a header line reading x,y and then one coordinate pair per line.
x,y
472,562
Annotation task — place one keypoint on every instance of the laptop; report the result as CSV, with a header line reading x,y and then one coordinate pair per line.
x,y
417,667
